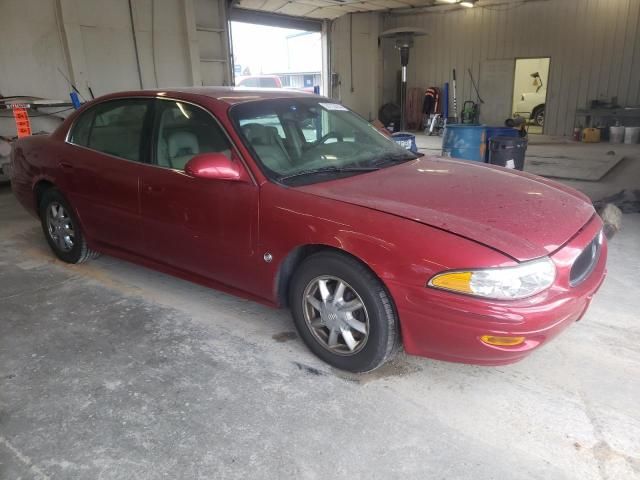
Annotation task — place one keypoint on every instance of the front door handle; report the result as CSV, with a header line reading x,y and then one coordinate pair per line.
x,y
151,189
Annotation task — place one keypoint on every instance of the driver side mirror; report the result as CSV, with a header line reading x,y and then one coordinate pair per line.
x,y
215,166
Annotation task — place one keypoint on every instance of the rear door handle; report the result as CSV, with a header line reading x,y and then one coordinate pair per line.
x,y
66,165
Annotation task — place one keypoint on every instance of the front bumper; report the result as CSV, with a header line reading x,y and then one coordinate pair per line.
x,y
448,326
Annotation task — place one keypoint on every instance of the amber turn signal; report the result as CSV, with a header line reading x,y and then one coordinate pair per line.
x,y
456,281
502,341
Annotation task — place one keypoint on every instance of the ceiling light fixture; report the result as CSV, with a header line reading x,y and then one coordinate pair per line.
x,y
468,3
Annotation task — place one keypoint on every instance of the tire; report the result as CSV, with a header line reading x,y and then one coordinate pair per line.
x,y
317,311
62,229
538,116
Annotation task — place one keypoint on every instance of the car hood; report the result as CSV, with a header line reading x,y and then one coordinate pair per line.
x,y
521,215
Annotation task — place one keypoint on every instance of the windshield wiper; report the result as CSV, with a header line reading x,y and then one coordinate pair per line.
x,y
394,157
314,171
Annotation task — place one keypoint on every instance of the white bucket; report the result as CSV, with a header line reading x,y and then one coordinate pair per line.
x,y
616,134
631,134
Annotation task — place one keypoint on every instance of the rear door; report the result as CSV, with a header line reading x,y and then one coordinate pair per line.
x,y
204,226
106,150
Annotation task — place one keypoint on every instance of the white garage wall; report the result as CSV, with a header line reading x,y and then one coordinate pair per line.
x,y
91,42
211,24
594,47
30,50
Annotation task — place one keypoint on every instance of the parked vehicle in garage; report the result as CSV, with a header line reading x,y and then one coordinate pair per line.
x,y
293,200
259,81
531,106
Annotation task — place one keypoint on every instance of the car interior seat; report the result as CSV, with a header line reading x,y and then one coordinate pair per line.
x,y
181,147
268,145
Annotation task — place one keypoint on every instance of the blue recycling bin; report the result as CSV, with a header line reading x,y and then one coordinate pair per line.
x,y
405,140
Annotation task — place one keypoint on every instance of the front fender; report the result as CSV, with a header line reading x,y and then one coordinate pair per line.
x,y
396,249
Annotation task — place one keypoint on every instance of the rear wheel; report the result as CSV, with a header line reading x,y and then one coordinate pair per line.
x,y
343,312
62,230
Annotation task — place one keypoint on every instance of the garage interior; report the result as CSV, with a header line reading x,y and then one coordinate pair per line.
x,y
109,370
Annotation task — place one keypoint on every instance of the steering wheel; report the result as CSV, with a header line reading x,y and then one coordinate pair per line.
x,y
332,134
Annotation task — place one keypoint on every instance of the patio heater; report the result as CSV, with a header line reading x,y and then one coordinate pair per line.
x,y
403,38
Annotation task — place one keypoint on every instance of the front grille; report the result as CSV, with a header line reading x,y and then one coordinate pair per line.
x,y
586,261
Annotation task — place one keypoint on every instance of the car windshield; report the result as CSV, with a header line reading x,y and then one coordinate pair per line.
x,y
307,140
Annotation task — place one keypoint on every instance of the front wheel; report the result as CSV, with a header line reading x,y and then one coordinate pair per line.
x,y
343,312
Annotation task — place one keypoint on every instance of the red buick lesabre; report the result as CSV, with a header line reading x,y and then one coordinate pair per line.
x,y
293,200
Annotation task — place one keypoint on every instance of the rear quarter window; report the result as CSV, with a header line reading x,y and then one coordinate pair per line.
x,y
80,131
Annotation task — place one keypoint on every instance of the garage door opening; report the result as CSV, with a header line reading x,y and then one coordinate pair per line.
x,y
276,57
530,91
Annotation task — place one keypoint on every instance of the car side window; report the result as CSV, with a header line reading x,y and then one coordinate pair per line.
x,y
183,131
113,127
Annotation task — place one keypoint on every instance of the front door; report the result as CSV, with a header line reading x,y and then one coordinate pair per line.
x,y
203,226
105,155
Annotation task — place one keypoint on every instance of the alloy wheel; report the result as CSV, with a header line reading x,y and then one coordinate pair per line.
x,y
60,227
336,315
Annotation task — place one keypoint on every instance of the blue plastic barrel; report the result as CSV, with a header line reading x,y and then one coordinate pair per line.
x,y
465,141
406,140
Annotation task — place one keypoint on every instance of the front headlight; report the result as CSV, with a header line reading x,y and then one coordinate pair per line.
x,y
506,283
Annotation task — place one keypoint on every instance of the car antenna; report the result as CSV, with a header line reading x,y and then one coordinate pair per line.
x,y
71,84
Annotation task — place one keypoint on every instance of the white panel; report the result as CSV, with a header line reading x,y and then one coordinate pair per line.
x,y
208,13
169,43
212,38
210,45
295,9
250,4
212,73
326,12
92,14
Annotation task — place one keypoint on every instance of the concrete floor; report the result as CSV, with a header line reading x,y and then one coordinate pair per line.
x,y
113,371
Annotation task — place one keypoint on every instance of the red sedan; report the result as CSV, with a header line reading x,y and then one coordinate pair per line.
x,y
293,200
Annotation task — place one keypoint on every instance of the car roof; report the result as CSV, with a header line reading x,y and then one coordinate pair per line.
x,y
229,95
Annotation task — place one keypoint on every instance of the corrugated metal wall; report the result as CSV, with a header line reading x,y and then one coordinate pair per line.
x,y
594,47
360,81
